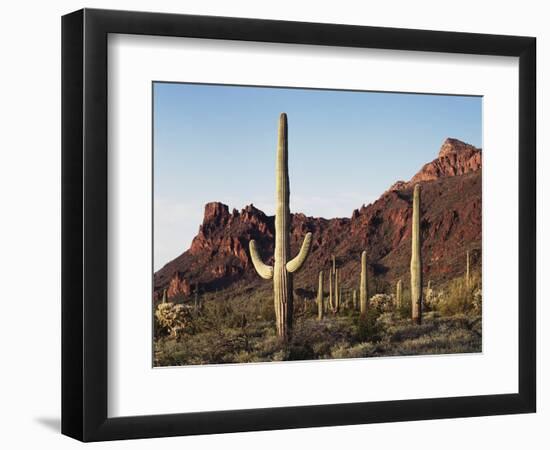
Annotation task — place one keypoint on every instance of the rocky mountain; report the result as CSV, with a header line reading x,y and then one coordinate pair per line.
x,y
451,225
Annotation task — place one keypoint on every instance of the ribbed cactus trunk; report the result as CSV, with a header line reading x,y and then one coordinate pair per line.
x,y
399,294
196,298
354,299
330,302
283,268
282,282
337,291
320,303
416,260
364,285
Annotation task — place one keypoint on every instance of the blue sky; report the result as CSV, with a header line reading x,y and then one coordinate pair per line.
x,y
217,143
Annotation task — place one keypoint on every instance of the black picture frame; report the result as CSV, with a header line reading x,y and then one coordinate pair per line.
x,y
84,224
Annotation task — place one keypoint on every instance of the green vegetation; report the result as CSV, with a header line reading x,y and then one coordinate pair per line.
x,y
237,325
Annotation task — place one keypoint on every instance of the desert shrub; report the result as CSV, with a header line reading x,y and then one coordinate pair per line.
x,y
345,350
367,327
460,298
406,331
172,319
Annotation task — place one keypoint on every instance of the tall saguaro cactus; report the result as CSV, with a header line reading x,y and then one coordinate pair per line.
x,y
320,304
283,267
363,286
416,259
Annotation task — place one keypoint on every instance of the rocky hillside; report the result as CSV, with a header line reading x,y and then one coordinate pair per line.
x,y
451,225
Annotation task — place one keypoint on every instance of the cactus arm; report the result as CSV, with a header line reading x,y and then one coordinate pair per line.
x,y
296,263
265,271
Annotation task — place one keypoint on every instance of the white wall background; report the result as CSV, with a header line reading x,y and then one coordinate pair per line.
x,y
30,226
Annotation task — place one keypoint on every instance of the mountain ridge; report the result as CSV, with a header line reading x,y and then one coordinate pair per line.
x,y
451,224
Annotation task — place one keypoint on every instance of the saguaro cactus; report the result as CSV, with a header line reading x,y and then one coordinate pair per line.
x,y
416,260
337,291
330,302
283,268
320,304
398,294
355,299
363,286
164,296
197,303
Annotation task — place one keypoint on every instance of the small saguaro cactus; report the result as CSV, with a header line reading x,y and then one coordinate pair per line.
x,y
164,296
330,290
399,294
283,267
363,286
416,260
196,298
354,299
467,270
337,291
320,304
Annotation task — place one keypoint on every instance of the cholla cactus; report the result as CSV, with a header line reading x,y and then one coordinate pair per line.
x,y
429,297
284,267
172,319
416,260
477,301
381,302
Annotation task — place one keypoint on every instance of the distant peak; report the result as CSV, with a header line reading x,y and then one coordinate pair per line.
x,y
452,145
214,211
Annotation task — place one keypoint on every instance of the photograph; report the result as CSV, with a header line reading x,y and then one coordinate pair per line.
x,y
312,224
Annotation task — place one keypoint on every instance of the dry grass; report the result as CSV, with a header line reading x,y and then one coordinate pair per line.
x,y
238,327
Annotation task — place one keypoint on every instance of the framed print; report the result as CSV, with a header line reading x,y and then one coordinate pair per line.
x,y
316,224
